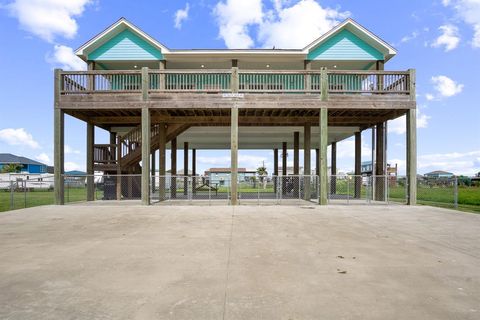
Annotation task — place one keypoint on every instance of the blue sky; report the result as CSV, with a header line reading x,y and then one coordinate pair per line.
x,y
440,38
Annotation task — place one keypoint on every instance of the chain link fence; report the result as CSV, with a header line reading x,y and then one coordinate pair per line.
x,y
455,193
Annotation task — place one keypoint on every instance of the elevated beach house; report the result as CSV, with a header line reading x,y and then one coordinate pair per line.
x,y
150,97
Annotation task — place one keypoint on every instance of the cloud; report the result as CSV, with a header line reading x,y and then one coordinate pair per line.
x,y
65,58
70,166
449,37
234,18
48,19
410,37
282,26
181,15
18,137
469,12
399,125
244,161
466,163
43,157
298,25
69,150
445,87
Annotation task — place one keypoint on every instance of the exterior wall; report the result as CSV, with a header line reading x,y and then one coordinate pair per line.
x,y
30,168
126,46
345,46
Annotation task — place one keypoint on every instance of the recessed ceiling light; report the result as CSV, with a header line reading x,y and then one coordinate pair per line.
x,y
135,67
335,66
202,66
268,66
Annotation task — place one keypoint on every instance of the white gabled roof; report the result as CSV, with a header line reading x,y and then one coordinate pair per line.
x,y
114,29
361,32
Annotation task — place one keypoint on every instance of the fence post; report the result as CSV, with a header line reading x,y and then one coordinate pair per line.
x,y
25,193
348,190
455,193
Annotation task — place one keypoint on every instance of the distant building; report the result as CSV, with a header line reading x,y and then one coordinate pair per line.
x,y
26,165
221,176
367,168
439,174
290,170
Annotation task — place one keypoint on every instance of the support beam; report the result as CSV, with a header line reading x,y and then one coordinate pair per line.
x,y
317,162
162,141
118,180
323,141
333,169
411,157
275,169
89,147
194,170
185,168
153,170
113,138
145,185
358,164
307,161
284,159
234,154
296,143
173,168
380,163
59,156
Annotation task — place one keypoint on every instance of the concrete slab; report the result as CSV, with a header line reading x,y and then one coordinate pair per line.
x,y
245,262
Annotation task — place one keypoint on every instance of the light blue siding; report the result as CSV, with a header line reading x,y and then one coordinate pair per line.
x,y
345,46
126,46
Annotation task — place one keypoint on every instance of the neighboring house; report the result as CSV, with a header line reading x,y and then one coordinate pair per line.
x,y
367,169
221,176
26,165
439,175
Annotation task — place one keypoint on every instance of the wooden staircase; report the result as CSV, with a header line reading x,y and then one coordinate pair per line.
x,y
126,156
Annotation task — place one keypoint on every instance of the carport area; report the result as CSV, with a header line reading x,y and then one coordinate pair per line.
x,y
239,262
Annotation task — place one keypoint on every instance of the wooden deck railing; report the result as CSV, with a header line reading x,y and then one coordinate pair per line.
x,y
235,80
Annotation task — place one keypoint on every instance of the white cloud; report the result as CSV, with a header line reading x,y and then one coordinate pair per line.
x,y
234,18
410,37
65,58
48,19
429,96
469,12
43,157
298,25
70,166
399,125
446,87
449,37
466,163
69,150
181,15
283,26
244,161
18,137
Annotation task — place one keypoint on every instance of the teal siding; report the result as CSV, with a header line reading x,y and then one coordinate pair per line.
x,y
126,46
345,46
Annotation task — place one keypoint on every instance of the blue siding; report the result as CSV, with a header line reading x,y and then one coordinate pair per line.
x,y
345,46
35,168
126,46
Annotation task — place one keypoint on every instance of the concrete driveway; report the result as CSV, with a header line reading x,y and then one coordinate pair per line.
x,y
247,262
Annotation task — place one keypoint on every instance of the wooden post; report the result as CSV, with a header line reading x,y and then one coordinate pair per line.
x,y
380,163
145,156
113,138
323,142
324,84
162,66
275,169
173,168
380,65
185,168
146,131
91,78
412,85
194,170
234,83
90,144
234,154
317,162
153,170
284,159
411,157
307,65
333,169
296,171
118,179
58,141
358,164
306,161
162,141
